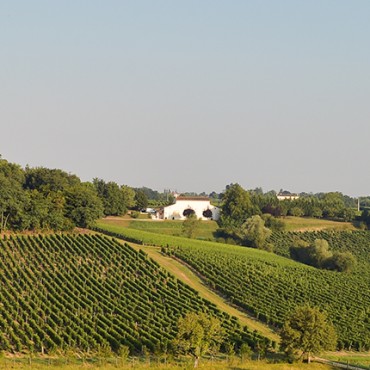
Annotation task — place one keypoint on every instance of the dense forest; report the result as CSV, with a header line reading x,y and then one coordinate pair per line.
x,y
51,199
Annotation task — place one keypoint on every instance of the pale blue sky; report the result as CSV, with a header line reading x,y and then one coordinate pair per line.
x,y
190,95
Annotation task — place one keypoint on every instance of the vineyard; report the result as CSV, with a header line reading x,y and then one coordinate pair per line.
x,y
270,286
85,292
356,242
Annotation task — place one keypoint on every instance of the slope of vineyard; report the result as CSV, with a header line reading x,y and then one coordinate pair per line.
x,y
356,242
270,286
87,291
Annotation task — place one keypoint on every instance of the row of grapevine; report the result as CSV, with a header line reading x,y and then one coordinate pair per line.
x,y
87,291
270,286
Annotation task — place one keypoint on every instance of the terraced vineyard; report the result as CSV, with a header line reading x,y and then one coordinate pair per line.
x,y
270,286
87,291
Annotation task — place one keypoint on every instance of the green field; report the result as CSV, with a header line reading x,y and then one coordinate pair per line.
x,y
270,286
204,231
87,293
313,224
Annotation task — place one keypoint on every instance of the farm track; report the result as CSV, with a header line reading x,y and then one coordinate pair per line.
x,y
183,273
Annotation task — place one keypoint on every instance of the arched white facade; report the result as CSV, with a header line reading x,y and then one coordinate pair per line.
x,y
198,205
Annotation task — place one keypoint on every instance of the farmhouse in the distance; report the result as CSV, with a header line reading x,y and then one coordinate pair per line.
x,y
184,206
283,195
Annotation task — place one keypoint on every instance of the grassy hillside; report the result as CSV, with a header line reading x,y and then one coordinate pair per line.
x,y
167,227
86,292
270,286
314,224
206,229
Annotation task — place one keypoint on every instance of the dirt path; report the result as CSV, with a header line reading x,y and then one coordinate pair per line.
x,y
184,274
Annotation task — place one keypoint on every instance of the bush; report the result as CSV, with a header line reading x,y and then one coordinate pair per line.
x,y
318,255
135,214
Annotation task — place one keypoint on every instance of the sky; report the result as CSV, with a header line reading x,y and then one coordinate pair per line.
x,y
190,95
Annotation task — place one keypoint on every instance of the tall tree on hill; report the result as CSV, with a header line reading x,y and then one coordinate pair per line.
x,y
47,180
112,197
83,205
236,207
12,197
128,196
141,200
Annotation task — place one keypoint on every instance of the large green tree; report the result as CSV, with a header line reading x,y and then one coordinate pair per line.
x,y
112,197
236,207
198,334
254,233
141,200
83,206
307,332
12,197
128,196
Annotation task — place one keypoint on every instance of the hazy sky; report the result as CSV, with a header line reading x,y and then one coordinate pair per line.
x,y
190,95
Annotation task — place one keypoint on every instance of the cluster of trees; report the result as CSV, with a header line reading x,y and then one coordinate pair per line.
x,y
40,198
238,204
319,255
306,332
51,199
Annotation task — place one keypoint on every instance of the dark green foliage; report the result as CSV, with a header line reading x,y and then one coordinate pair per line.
x,y
112,197
47,180
317,254
141,200
236,207
306,332
273,223
83,206
341,261
42,199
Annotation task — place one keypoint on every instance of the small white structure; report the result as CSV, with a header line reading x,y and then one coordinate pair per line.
x,y
200,206
283,195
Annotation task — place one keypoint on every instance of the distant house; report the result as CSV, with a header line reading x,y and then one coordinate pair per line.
x,y
284,195
184,206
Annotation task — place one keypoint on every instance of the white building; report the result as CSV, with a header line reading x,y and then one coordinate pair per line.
x,y
284,195
200,206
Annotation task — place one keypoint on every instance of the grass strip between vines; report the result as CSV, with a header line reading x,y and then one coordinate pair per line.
x,y
183,273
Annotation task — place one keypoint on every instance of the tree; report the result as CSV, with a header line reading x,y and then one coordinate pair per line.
x,y
254,233
236,207
141,200
342,261
333,204
12,197
190,225
83,206
198,334
307,332
129,196
112,197
296,212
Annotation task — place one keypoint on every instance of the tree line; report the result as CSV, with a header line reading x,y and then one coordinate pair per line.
x,y
51,199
